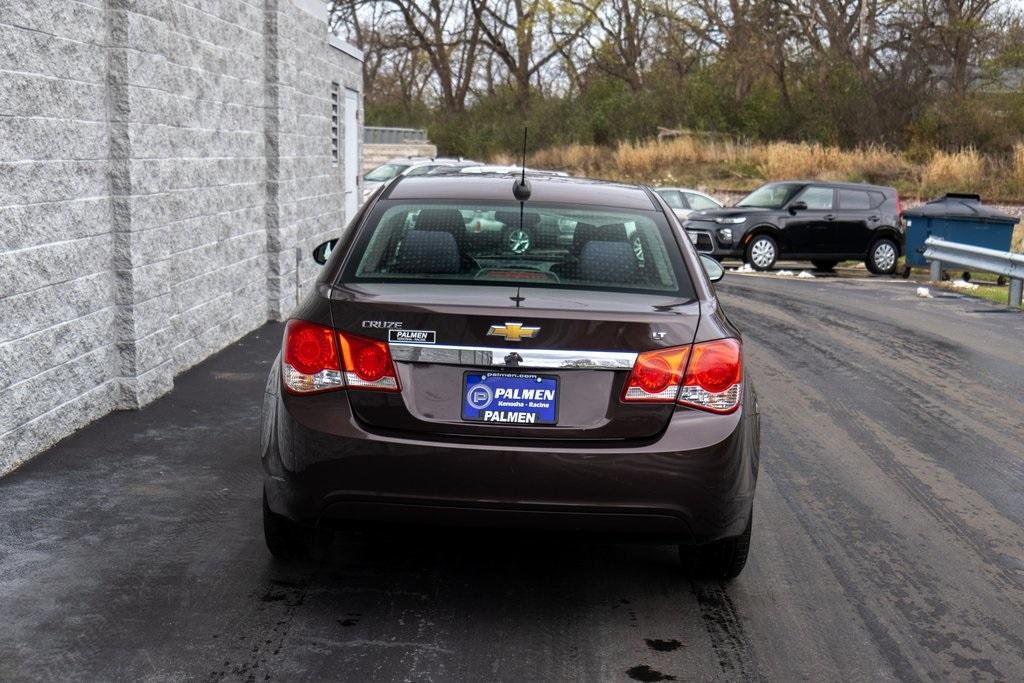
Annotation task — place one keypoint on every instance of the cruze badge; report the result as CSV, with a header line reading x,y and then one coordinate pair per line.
x,y
513,331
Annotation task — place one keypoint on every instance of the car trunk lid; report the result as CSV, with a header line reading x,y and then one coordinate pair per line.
x,y
523,344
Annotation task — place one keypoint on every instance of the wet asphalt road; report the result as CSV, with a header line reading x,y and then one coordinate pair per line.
x,y
888,539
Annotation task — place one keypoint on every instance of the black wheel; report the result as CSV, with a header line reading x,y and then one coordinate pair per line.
x,y
762,252
517,240
285,539
882,257
721,560
824,266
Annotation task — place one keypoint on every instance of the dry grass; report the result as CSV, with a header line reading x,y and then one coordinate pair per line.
x,y
729,165
952,172
1018,163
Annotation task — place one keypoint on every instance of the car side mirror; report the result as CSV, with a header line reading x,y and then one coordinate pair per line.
x,y
323,251
712,267
797,206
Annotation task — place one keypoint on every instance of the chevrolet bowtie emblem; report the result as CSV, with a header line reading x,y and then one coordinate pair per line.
x,y
513,331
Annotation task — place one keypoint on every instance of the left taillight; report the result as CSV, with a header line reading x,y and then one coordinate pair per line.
x,y
310,361
316,358
656,376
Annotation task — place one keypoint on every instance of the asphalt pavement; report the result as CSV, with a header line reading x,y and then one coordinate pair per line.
x,y
888,539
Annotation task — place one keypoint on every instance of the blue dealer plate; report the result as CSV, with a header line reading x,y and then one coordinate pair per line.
x,y
512,399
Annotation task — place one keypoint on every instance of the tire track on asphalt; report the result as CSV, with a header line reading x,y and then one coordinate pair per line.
x,y
926,600
729,640
981,537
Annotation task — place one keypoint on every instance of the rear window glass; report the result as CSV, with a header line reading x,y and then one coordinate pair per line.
x,y
569,246
673,198
699,203
854,199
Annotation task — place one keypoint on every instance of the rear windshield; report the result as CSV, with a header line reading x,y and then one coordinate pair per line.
x,y
570,246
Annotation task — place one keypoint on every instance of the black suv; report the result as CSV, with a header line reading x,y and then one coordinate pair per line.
x,y
821,222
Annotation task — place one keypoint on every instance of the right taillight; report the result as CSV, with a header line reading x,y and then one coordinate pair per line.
x,y
714,377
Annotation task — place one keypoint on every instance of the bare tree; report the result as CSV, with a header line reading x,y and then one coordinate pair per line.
x,y
525,35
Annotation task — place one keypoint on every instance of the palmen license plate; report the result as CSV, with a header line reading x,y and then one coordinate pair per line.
x,y
510,398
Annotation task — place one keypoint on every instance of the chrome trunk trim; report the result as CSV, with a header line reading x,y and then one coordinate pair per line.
x,y
512,358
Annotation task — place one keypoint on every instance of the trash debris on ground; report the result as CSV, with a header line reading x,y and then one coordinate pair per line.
x,y
745,268
924,293
806,275
963,284
785,273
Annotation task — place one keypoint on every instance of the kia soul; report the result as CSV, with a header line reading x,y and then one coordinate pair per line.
x,y
434,377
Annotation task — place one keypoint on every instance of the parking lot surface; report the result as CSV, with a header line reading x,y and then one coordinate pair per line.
x,y
888,538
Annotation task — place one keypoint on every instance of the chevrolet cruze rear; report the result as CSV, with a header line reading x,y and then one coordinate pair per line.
x,y
437,376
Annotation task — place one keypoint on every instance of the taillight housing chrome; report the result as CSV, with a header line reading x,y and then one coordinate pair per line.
x,y
707,376
315,358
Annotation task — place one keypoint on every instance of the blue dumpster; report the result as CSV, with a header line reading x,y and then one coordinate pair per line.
x,y
957,218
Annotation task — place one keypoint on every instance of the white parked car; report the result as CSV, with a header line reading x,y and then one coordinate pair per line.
x,y
409,166
683,200
512,170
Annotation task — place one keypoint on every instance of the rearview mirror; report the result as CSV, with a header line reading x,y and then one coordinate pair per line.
x,y
712,267
797,206
323,251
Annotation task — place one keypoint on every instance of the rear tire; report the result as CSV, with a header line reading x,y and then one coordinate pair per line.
x,y
762,252
721,560
285,539
882,257
824,266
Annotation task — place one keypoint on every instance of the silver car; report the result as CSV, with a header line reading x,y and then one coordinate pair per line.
x,y
402,166
684,200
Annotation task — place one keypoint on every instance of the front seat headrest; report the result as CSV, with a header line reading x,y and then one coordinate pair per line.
x,y
428,251
610,262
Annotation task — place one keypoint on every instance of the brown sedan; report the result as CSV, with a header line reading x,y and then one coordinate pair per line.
x,y
435,376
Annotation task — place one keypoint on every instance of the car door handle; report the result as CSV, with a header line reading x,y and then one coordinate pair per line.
x,y
830,216
874,218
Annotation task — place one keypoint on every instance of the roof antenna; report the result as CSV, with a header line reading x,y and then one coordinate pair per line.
x,y
521,188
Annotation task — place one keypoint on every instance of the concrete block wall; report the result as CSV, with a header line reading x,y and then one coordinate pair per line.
x,y
160,160
58,319
309,194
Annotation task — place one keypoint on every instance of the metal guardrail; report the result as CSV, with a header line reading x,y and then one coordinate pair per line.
x,y
376,135
939,252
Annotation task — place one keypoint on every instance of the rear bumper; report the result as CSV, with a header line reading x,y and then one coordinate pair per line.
x,y
695,483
